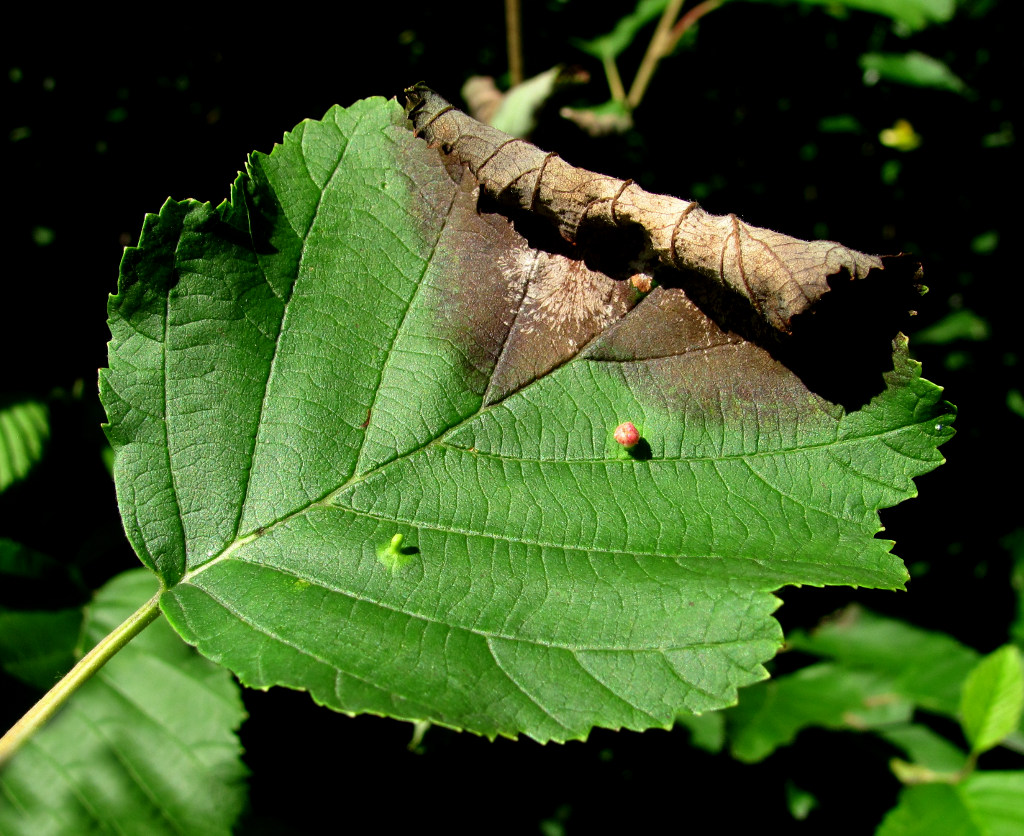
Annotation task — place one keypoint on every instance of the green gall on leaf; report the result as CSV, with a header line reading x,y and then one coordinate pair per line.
x,y
627,435
392,555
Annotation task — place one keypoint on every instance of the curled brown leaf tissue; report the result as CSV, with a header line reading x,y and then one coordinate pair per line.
x,y
827,312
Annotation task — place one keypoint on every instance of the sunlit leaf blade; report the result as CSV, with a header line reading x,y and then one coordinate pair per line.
x,y
929,809
24,430
993,698
958,325
707,731
925,749
517,113
771,714
145,747
985,804
924,666
915,14
913,68
348,351
624,32
997,800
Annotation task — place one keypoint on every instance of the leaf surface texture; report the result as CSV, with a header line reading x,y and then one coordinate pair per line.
x,y
350,349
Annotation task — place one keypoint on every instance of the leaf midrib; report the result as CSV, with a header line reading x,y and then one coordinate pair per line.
x,y
485,634
330,500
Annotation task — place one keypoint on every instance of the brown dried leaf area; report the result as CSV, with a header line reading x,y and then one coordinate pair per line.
x,y
516,312
560,305
728,297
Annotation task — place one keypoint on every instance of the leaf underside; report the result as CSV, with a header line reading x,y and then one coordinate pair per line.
x,y
348,349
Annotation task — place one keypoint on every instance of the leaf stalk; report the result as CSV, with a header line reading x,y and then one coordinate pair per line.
x,y
52,700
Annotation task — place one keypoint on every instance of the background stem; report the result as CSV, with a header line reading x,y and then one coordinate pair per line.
x,y
655,51
688,20
615,85
514,30
664,40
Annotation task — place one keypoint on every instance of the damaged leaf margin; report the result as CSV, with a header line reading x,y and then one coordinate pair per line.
x,y
780,276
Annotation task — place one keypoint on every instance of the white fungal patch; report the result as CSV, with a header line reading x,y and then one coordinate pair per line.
x,y
563,292
557,305
518,267
518,264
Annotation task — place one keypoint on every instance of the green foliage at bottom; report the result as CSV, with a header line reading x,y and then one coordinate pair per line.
x,y
146,747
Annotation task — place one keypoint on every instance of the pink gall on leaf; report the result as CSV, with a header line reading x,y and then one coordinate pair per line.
x,y
627,435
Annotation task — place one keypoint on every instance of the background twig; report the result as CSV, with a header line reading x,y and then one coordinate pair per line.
x,y
664,40
514,30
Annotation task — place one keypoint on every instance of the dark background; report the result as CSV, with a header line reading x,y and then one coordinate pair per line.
x,y
102,124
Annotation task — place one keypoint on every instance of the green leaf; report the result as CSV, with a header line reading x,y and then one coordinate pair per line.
x,y
517,113
925,667
958,325
993,699
985,804
24,430
913,68
707,731
146,746
925,748
39,647
347,350
36,647
929,809
1014,544
799,801
771,714
843,123
996,800
18,560
986,243
914,14
599,120
622,35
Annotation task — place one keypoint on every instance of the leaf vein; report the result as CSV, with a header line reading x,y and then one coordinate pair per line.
x,y
522,689
286,307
